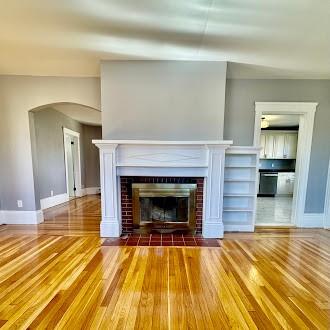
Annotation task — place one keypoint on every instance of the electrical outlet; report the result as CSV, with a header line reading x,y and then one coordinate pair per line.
x,y
19,203
273,165
52,193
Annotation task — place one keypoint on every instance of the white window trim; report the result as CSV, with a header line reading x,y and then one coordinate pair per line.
x,y
306,110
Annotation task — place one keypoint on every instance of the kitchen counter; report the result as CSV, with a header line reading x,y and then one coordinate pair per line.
x,y
274,170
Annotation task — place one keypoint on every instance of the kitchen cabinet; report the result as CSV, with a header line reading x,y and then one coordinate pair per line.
x,y
285,183
262,145
290,146
278,145
269,146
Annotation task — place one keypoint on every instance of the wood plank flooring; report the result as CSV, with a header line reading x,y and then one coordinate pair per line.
x,y
57,275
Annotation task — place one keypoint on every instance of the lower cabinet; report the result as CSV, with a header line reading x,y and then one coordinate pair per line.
x,y
285,183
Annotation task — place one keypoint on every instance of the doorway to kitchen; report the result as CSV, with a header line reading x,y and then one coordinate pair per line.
x,y
283,131
278,141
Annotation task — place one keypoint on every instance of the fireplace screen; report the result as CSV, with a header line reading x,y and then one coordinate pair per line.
x,y
164,206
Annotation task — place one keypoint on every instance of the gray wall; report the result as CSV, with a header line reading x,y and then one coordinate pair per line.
x,y
18,95
46,127
165,100
91,154
239,122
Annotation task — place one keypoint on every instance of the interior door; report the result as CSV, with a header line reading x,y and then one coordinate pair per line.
x,y
70,165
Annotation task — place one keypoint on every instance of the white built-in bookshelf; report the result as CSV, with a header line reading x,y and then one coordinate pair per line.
x,y
240,188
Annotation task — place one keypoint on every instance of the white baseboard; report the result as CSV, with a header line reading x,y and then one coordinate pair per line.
x,y
45,203
326,220
312,220
92,190
242,228
81,192
22,217
2,218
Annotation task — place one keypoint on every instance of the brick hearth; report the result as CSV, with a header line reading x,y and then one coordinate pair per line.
x,y
126,197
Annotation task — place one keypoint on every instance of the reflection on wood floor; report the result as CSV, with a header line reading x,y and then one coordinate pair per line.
x,y
80,216
58,274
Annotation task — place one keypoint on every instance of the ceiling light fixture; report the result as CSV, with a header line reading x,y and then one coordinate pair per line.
x,y
264,122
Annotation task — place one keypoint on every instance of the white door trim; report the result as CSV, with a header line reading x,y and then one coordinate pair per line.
x,y
327,202
67,131
306,110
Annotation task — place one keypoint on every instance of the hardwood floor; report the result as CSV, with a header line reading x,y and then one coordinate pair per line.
x,y
58,275
79,217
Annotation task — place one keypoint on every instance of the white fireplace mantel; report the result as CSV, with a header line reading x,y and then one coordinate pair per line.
x,y
162,158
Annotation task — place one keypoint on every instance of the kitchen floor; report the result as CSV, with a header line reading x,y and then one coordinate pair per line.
x,y
274,211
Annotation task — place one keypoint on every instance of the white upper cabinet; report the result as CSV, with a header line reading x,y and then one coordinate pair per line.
x,y
278,145
269,146
290,148
262,145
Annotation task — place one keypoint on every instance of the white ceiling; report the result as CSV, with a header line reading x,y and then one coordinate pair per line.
x,y
282,120
273,38
80,113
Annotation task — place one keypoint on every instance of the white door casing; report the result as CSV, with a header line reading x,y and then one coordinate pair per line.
x,y
69,166
68,136
327,202
306,110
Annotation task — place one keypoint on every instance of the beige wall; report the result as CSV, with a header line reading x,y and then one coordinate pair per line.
x,y
164,100
18,95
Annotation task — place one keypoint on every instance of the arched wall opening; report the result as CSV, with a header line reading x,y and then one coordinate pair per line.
x,y
18,95
65,162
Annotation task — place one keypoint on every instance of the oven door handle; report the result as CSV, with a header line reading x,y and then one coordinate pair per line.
x,y
271,174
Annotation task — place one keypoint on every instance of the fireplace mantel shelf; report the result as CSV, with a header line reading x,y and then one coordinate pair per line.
x,y
163,142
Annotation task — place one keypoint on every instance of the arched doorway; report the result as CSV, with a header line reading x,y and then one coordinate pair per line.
x,y
65,163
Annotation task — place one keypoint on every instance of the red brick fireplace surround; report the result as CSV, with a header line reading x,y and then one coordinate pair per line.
x,y
126,197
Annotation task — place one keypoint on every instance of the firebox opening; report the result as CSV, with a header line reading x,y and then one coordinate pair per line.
x,y
164,206
173,209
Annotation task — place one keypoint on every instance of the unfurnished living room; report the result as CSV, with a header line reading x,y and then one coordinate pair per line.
x,y
164,164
